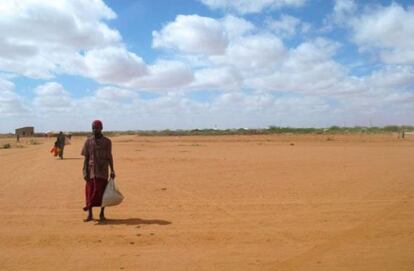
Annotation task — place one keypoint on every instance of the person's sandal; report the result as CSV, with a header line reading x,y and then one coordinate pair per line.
x,y
89,218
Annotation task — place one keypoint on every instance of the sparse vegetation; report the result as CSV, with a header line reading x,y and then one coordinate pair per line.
x,y
244,131
6,146
270,130
33,142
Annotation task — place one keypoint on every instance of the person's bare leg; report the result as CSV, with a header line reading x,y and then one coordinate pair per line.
x,y
90,215
102,214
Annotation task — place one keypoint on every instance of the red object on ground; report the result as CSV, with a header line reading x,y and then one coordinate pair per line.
x,y
94,190
55,151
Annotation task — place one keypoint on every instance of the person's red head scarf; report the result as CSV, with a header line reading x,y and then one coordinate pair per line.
x,y
97,124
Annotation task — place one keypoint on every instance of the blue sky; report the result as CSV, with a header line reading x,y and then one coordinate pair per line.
x,y
183,64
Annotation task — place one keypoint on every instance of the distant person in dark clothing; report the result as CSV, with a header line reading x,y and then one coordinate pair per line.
x,y
60,143
98,158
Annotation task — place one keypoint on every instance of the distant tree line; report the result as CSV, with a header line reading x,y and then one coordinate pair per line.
x,y
269,130
264,131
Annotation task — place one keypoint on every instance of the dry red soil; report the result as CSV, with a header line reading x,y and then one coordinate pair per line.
x,y
285,202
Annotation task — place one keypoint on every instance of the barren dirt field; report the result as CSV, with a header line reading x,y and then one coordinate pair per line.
x,y
277,202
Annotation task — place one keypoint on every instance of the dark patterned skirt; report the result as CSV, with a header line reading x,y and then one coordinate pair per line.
x,y
94,190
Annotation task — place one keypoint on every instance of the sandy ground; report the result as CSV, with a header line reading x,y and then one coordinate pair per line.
x,y
215,203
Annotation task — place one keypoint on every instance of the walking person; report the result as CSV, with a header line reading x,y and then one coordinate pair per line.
x,y
98,157
60,144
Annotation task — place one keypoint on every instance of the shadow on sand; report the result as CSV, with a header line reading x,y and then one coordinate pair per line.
x,y
71,158
134,221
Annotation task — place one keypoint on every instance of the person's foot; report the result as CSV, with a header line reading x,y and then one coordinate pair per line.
x,y
89,218
102,217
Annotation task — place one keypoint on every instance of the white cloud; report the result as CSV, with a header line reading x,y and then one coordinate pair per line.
x,y
54,109
307,69
222,79
50,89
385,30
112,94
236,26
164,75
248,6
253,53
343,9
40,37
5,85
298,86
385,27
392,77
41,22
192,34
262,110
317,49
52,97
114,65
287,26
11,104
43,38
398,56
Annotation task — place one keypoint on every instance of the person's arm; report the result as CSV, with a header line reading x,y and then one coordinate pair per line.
x,y
85,168
111,161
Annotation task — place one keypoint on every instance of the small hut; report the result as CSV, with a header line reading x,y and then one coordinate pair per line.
x,y
25,131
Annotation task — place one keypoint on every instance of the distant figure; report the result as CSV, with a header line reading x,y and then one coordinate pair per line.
x,y
98,157
60,144
17,138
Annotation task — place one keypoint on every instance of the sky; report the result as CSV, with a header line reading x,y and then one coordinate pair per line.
x,y
195,64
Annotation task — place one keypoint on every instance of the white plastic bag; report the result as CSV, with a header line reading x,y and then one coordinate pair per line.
x,y
112,196
67,140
